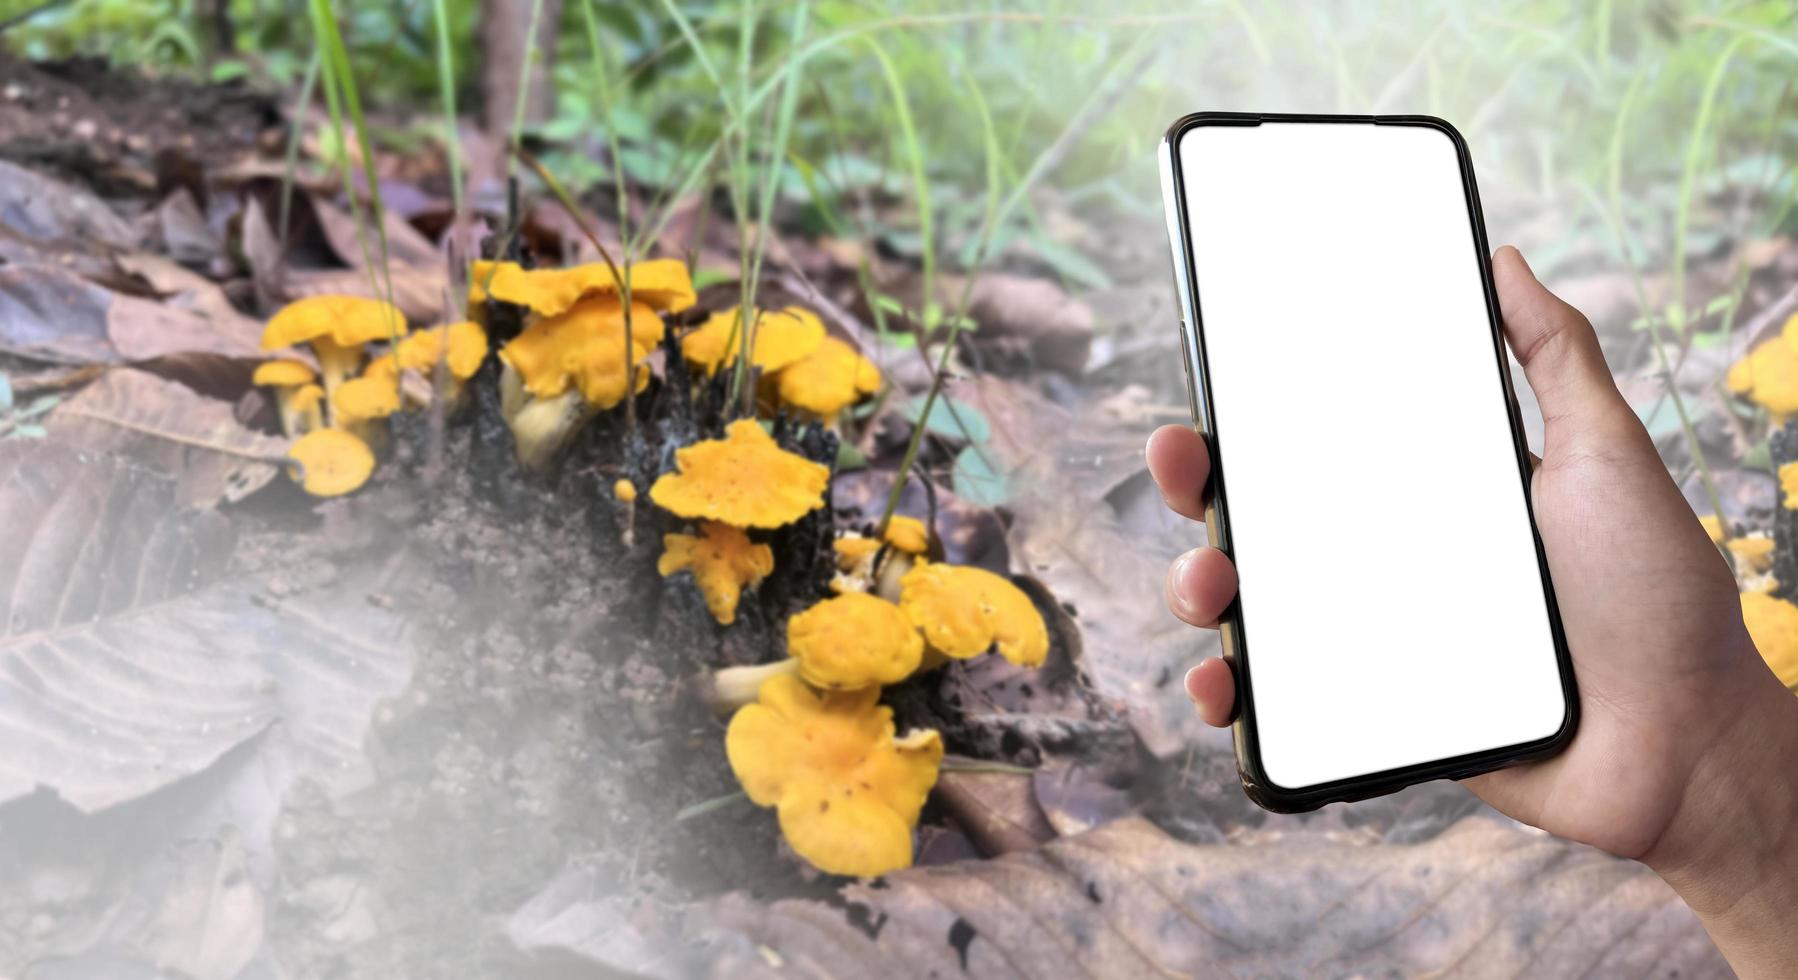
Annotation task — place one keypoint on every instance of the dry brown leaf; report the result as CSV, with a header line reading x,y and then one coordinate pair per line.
x,y
405,245
50,314
181,288
129,660
169,427
996,809
46,209
1483,899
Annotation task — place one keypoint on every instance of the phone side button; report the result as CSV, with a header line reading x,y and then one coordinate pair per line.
x,y
1187,367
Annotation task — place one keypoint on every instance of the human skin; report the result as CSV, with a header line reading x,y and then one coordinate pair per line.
x,y
1685,754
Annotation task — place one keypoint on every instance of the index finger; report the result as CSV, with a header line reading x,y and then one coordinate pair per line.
x,y
1180,464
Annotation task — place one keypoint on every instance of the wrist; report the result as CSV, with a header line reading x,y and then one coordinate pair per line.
x,y
1731,848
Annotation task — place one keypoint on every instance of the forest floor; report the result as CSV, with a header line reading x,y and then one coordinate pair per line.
x,y
445,726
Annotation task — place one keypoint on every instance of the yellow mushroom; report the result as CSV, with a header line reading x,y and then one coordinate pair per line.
x,y
625,490
908,534
336,327
289,379
562,370
460,346
847,792
855,556
782,337
963,611
660,284
1768,376
744,479
828,380
853,640
331,462
723,560
1773,625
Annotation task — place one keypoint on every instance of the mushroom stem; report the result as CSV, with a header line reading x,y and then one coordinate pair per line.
x,y
541,427
336,362
727,690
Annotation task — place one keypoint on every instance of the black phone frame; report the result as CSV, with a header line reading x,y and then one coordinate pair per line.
x,y
1255,781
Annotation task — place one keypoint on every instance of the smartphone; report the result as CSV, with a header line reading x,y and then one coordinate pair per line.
x,y
1395,621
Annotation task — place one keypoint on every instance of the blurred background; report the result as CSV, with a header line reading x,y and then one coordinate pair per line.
x,y
976,177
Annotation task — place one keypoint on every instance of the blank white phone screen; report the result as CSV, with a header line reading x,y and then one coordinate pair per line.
x,y
1393,612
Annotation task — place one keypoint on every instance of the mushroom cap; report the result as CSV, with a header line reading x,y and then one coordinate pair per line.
x,y
782,337
963,610
584,347
1772,624
723,560
372,396
847,791
283,373
829,379
624,490
662,284
467,349
854,548
344,320
908,534
306,397
1754,552
744,479
854,640
1768,376
334,461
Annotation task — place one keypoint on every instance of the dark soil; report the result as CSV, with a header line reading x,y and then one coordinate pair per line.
x,y
121,131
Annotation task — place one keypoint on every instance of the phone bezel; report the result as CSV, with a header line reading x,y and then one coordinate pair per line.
x,y
1255,782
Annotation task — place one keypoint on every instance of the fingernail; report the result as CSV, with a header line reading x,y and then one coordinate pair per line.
x,y
1186,682
1175,577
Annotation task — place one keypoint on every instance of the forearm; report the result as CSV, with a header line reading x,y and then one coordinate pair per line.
x,y
1731,851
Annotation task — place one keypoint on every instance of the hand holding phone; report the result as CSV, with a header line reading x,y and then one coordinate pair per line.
x,y
1345,363
1683,756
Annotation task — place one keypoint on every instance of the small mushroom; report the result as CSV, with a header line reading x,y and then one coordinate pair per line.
x,y
744,479
332,462
828,380
855,556
908,534
625,490
661,284
336,327
723,560
963,611
854,640
289,379
847,792
460,346
782,337
1768,376
1773,625
359,404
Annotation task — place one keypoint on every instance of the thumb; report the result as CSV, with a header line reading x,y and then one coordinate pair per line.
x,y
1560,355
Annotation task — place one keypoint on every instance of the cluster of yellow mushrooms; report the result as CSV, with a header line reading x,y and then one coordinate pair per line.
x,y
1768,377
808,736
364,354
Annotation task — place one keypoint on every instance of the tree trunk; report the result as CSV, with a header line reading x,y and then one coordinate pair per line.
x,y
504,25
